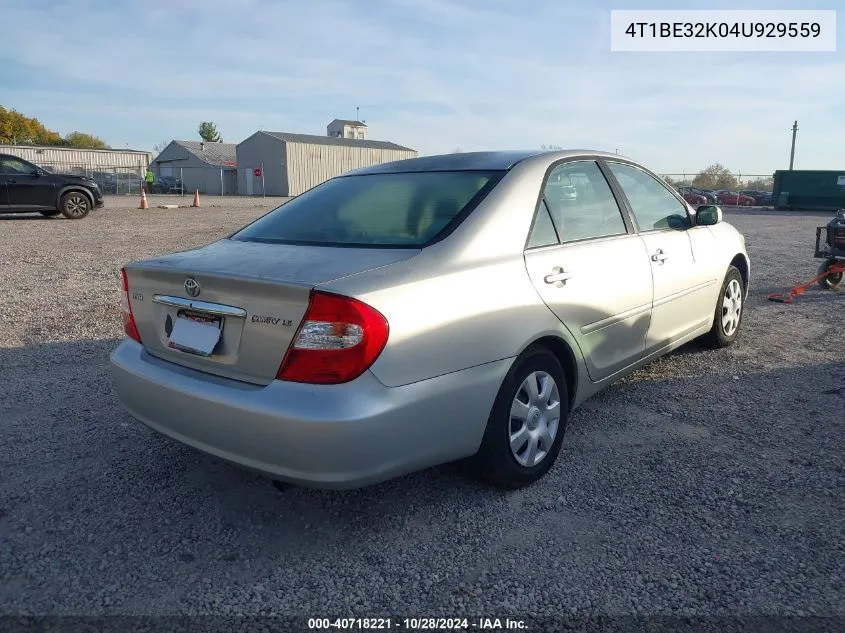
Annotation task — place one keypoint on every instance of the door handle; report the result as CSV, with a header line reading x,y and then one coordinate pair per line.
x,y
557,276
659,256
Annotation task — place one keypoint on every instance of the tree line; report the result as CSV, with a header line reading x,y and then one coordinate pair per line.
x,y
718,176
18,129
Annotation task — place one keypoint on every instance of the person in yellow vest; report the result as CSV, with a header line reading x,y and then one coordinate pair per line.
x,y
149,179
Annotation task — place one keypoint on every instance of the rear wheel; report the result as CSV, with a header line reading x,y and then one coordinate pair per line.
x,y
729,311
831,281
75,205
527,423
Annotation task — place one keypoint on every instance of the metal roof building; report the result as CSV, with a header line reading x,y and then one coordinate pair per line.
x,y
116,170
285,164
209,168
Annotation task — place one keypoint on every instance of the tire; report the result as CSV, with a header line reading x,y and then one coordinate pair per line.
x,y
75,205
830,282
50,214
496,462
725,331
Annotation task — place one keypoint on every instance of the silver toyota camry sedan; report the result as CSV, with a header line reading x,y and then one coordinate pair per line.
x,y
424,311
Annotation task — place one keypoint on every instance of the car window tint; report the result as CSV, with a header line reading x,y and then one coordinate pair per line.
x,y
581,202
654,207
14,166
543,231
406,209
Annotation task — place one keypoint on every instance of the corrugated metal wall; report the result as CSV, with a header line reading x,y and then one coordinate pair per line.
x,y
309,165
72,157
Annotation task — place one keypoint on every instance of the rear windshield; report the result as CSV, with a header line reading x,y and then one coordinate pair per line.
x,y
399,210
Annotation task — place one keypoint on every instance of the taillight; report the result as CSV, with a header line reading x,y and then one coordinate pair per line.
x,y
129,326
339,339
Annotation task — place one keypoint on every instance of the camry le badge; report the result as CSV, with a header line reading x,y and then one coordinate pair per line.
x,y
192,287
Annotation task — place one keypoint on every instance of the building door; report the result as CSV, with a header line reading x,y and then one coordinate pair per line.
x,y
249,182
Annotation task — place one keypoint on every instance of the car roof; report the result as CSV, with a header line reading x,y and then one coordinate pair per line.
x,y
471,161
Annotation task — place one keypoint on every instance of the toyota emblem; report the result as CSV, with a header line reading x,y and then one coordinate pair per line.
x,y
192,287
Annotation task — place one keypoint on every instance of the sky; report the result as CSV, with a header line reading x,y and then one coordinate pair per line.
x,y
434,75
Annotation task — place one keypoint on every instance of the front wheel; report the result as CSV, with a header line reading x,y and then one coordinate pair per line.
x,y
75,205
527,423
729,310
832,280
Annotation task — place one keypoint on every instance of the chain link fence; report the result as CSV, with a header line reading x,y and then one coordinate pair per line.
x,y
112,180
210,180
733,182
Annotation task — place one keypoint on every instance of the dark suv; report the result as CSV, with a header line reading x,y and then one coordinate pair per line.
x,y
26,188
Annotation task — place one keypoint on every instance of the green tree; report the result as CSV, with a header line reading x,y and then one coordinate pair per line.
x,y
760,184
84,141
715,176
208,132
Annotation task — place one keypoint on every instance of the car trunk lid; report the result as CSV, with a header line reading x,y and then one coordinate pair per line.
x,y
254,294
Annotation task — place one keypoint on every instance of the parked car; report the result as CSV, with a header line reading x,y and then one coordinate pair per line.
x,y
27,188
422,311
167,184
734,198
695,199
761,198
709,196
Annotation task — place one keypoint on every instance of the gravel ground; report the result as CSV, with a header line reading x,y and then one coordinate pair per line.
x,y
709,483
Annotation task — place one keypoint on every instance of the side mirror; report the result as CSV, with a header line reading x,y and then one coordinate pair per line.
x,y
708,215
37,172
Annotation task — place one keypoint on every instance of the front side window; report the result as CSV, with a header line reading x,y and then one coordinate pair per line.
x,y
581,203
408,209
654,206
15,166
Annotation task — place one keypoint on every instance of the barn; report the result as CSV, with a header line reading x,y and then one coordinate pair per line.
x,y
286,164
209,168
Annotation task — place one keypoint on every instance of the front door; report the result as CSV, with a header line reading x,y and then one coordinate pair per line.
x,y
26,185
683,285
590,268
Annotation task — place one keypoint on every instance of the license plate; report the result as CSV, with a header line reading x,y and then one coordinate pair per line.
x,y
196,333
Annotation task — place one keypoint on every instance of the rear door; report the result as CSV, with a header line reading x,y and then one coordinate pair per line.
x,y
682,282
4,196
590,268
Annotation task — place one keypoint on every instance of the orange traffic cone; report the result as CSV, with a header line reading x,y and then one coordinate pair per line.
x,y
144,204
196,198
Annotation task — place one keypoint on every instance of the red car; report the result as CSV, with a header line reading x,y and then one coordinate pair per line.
x,y
694,199
734,199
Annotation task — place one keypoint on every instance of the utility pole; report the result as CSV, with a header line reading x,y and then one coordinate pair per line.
x,y
792,152
356,113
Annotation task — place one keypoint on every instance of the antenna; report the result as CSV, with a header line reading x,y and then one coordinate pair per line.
x,y
356,113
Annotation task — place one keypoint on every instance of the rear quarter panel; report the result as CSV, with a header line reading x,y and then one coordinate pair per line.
x,y
445,318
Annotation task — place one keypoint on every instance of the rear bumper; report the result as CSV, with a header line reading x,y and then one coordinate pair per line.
x,y
324,436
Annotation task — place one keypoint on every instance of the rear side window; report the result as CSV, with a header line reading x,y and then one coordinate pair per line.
x,y
375,210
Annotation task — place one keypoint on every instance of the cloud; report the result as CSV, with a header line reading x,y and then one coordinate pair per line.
x,y
431,74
